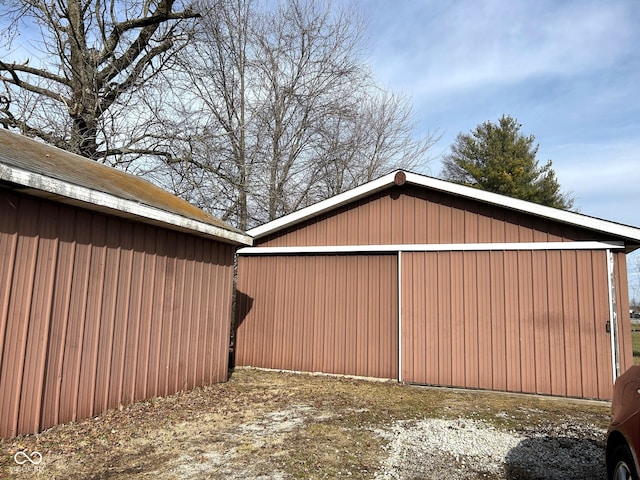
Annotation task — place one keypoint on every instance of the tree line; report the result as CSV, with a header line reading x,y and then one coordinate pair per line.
x,y
247,109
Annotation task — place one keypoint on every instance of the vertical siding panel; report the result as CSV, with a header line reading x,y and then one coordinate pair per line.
x,y
445,224
541,323
18,317
512,322
409,291
409,220
331,230
90,345
485,334
374,237
484,229
77,320
571,323
39,321
498,228
186,318
8,243
265,310
557,345
589,362
388,359
351,331
320,324
296,345
458,221
168,342
328,355
397,216
134,316
393,316
373,319
527,342
283,352
433,224
420,216
363,313
119,349
148,276
179,322
196,353
431,321
458,352
421,320
276,328
498,317
470,224
108,315
215,343
157,315
600,317
59,317
385,220
340,346
470,305
444,316
307,321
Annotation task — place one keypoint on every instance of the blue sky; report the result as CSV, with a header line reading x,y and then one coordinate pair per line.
x,y
569,71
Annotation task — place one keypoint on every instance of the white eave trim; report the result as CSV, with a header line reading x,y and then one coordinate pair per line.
x,y
117,204
442,247
563,216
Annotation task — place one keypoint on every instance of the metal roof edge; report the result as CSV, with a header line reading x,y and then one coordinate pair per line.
x,y
111,202
564,216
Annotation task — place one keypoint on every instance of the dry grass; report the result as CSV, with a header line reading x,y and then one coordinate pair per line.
x,y
269,425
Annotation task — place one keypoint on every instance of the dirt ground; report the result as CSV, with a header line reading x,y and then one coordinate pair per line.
x,y
281,425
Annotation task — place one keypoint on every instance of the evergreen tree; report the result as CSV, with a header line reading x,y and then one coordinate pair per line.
x,y
499,159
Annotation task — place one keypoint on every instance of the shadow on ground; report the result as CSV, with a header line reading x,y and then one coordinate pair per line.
x,y
556,457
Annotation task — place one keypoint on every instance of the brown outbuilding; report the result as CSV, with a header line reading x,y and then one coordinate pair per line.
x,y
423,281
111,289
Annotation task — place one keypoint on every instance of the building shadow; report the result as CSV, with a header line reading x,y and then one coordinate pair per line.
x,y
556,457
241,308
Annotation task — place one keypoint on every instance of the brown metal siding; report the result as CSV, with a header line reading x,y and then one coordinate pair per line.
x,y
332,314
525,321
408,214
97,311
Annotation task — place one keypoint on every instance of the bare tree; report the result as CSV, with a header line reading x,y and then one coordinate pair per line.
x,y
88,89
283,112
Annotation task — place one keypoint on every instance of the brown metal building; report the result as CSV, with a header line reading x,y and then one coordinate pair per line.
x,y
111,289
428,282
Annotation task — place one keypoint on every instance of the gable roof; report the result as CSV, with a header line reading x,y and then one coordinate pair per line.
x,y
32,167
624,232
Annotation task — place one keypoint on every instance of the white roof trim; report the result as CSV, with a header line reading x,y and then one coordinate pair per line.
x,y
439,247
563,216
112,202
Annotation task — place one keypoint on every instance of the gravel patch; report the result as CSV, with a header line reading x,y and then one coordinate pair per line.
x,y
473,449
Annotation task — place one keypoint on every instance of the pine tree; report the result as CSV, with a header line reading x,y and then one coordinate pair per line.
x,y
499,159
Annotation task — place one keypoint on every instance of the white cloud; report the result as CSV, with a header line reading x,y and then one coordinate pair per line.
x,y
471,44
